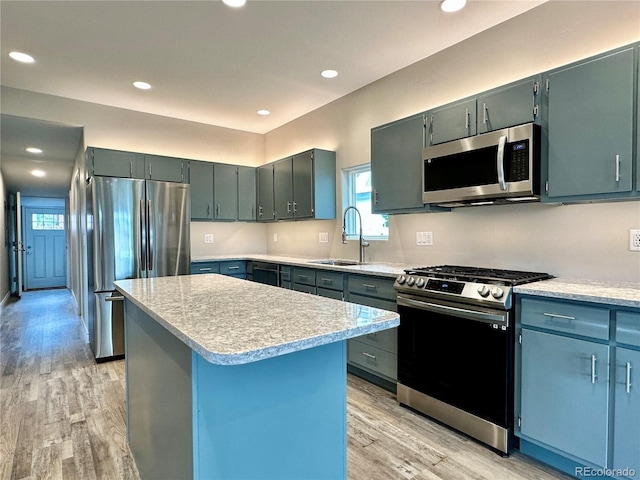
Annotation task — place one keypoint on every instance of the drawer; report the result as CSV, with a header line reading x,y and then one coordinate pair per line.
x,y
233,267
285,273
566,317
298,287
304,276
325,292
205,267
628,328
386,340
373,359
373,302
330,280
372,286
286,285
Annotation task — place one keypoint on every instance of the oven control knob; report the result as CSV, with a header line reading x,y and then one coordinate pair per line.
x,y
411,281
483,291
420,283
401,279
497,292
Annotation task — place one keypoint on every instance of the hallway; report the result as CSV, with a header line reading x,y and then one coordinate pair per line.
x,y
63,415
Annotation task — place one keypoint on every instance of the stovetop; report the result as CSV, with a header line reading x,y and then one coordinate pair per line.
x,y
479,275
480,286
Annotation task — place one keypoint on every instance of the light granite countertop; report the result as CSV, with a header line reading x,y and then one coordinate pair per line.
x,y
379,269
229,321
610,293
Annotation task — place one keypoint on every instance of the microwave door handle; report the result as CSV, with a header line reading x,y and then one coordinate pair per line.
x,y
500,162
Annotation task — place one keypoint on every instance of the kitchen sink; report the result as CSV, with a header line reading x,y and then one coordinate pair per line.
x,y
338,263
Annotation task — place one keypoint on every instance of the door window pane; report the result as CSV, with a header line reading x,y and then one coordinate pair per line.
x,y
47,221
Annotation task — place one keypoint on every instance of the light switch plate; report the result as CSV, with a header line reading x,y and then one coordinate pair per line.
x,y
323,237
275,237
208,238
424,238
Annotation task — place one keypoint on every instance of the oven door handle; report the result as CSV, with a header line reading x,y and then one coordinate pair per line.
x,y
448,310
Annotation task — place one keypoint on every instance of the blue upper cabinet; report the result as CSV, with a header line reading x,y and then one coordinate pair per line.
x,y
264,183
396,166
114,163
225,192
513,104
452,121
283,188
590,127
246,194
164,169
201,175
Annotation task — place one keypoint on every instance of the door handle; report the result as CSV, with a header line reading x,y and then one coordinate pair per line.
x,y
617,168
143,238
466,119
29,251
484,113
594,376
500,162
627,383
150,233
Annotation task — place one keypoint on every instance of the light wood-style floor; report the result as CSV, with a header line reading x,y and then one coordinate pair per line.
x,y
62,415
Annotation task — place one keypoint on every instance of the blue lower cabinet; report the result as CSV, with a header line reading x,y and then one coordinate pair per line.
x,y
565,395
205,267
626,439
230,268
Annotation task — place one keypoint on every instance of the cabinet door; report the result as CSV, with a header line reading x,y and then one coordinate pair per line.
x,y
164,169
509,106
114,163
564,399
626,439
283,188
396,165
453,121
303,185
225,191
265,192
246,193
201,174
590,126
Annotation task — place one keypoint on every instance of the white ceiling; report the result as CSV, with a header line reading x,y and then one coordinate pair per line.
x,y
216,65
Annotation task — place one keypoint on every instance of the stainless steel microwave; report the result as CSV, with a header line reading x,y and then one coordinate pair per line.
x,y
495,167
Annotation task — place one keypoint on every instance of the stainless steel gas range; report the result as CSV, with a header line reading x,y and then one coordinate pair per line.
x,y
455,347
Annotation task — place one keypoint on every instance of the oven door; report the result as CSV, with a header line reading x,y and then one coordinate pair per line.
x,y
459,354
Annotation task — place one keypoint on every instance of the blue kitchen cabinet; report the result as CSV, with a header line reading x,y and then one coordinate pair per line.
x,y
626,440
201,180
512,104
452,121
225,192
283,188
246,194
396,166
565,394
590,127
303,280
231,268
264,183
204,267
165,169
114,163
330,284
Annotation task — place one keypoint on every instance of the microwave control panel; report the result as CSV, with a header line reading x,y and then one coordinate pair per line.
x,y
519,162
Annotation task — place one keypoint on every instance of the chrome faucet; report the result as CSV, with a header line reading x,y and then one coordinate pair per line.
x,y
363,244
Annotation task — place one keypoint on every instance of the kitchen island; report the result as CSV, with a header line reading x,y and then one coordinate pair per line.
x,y
229,379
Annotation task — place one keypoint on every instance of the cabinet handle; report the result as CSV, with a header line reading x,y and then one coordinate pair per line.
x,y
368,355
302,277
484,113
235,267
617,168
500,162
131,169
627,383
150,176
557,315
121,299
208,269
217,210
369,287
327,281
466,119
208,209
593,369
375,197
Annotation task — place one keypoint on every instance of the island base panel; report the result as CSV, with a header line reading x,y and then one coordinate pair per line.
x,y
279,418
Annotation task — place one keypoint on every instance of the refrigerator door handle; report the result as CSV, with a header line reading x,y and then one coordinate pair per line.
x,y
143,238
150,233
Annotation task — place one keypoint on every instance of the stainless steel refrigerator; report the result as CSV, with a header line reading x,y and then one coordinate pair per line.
x,y
135,229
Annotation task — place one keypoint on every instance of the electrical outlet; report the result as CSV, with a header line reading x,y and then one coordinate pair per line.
x,y
275,237
424,238
634,240
208,238
323,237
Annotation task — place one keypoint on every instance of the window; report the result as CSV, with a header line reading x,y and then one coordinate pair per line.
x,y
357,192
47,221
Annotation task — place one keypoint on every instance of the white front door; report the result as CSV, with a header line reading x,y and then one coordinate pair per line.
x,y
45,247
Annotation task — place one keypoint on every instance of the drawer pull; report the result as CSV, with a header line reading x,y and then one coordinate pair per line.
x,y
327,281
302,277
369,286
368,355
207,269
627,383
593,369
556,315
235,267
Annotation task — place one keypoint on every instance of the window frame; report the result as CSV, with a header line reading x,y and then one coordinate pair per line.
x,y
349,199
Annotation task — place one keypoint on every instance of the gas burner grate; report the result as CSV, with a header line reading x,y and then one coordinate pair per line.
x,y
479,274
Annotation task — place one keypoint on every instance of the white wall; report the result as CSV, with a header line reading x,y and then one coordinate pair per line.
x,y
4,245
586,241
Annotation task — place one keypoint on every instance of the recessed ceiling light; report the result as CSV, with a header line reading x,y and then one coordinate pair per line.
x,y
21,57
329,73
234,3
38,173
450,6
142,85
264,113
34,150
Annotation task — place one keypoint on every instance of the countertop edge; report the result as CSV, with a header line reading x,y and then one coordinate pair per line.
x,y
606,293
